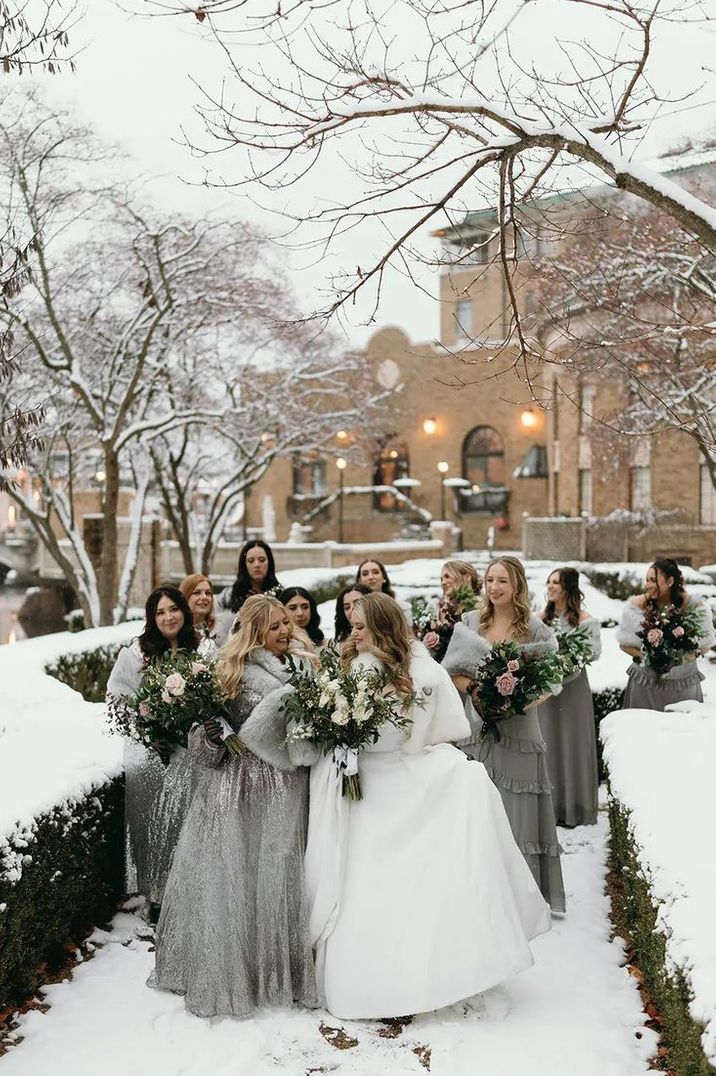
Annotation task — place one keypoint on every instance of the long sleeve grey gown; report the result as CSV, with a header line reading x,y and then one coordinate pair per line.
x,y
233,933
647,691
156,796
517,763
567,724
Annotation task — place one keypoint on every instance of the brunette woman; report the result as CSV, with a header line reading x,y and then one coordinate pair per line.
x,y
517,762
567,719
419,896
158,779
345,601
233,933
303,612
665,590
255,574
374,575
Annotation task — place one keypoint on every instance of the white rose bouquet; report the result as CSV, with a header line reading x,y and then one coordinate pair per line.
x,y
177,692
342,711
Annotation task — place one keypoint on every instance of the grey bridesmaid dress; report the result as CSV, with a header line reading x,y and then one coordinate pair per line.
x,y
517,763
156,796
233,933
567,724
647,691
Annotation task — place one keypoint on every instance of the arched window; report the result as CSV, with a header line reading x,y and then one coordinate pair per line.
x,y
391,462
483,465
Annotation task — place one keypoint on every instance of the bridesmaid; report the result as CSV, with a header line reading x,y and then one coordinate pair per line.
x,y
645,690
199,594
233,933
567,719
256,574
374,575
517,763
345,601
157,779
303,613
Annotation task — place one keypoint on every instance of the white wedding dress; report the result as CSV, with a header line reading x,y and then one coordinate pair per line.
x,y
418,894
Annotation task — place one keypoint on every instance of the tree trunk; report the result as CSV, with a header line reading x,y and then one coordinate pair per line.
x,y
110,503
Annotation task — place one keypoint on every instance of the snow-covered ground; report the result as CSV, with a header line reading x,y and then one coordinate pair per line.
x,y
661,770
575,1013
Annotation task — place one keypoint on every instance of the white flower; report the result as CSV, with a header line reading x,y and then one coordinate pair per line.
x,y
340,717
198,667
175,684
360,714
166,697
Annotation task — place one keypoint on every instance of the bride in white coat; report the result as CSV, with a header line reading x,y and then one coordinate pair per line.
x,y
418,894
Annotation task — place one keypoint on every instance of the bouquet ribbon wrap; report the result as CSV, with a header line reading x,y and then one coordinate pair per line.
x,y
346,759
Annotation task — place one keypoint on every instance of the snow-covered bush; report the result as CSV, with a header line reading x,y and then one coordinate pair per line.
x,y
620,582
660,809
87,672
59,875
75,620
605,702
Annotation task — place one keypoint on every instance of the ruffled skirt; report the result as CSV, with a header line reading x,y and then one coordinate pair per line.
x,y
647,691
517,765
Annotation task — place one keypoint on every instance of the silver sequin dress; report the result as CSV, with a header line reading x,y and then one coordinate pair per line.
x,y
567,724
233,935
156,796
517,763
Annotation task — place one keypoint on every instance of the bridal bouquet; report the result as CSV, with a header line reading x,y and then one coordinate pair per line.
x,y
342,711
668,636
177,692
509,680
575,649
435,630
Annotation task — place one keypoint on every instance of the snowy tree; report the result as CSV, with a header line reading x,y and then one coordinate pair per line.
x,y
630,298
431,110
115,293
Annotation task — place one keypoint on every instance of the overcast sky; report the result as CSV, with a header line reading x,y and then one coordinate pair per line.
x,y
134,84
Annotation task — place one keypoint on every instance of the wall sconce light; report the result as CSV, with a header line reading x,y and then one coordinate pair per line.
x,y
528,418
430,426
443,467
342,435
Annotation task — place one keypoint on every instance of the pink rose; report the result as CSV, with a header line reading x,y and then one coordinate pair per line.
x,y
513,665
506,683
431,640
678,632
654,636
144,709
175,684
198,667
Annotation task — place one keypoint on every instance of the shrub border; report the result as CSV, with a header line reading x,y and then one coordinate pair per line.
x,y
635,912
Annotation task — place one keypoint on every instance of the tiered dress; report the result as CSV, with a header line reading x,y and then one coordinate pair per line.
x,y
646,690
517,763
567,724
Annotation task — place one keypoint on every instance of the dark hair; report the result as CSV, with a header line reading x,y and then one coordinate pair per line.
x,y
341,624
569,578
151,642
386,588
243,585
669,567
313,628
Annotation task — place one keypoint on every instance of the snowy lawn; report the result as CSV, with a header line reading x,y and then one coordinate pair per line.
x,y
575,1012
661,771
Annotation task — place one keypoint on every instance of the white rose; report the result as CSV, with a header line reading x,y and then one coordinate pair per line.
x,y
340,716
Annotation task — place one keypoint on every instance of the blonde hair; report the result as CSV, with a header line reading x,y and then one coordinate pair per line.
x,y
392,640
521,598
189,584
461,571
253,622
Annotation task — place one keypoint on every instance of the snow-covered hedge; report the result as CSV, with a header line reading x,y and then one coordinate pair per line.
x,y
60,807
662,808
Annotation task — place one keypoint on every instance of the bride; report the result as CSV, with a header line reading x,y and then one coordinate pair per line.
x,y
418,894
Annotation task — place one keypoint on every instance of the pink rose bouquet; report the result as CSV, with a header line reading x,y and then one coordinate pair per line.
x,y
669,636
509,680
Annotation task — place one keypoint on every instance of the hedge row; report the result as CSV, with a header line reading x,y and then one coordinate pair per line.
x,y
636,916
605,702
86,672
58,879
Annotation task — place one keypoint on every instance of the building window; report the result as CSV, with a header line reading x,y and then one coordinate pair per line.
x,y
534,465
483,465
463,317
585,490
639,488
309,477
708,498
392,462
